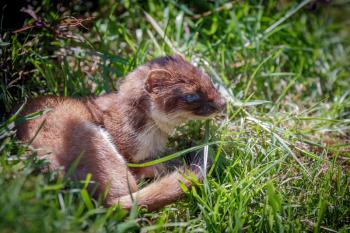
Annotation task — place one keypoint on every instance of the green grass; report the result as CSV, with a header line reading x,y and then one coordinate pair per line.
x,y
284,66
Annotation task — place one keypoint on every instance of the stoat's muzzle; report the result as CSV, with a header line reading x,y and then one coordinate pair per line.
x,y
210,108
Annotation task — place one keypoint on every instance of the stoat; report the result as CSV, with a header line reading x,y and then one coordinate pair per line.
x,y
131,125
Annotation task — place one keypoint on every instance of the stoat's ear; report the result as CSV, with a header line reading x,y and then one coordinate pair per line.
x,y
157,80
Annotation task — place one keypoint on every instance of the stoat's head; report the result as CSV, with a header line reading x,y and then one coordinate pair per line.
x,y
179,91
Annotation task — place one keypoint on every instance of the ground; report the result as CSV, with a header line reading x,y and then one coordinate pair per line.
x,y
281,151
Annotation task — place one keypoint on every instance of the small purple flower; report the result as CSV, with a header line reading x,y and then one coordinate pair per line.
x,y
39,23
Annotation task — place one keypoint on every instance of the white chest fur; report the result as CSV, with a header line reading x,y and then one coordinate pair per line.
x,y
151,142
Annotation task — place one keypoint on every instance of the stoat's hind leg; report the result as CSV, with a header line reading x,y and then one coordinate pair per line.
x,y
100,158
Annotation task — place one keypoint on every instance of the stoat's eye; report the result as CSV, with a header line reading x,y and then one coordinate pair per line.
x,y
192,98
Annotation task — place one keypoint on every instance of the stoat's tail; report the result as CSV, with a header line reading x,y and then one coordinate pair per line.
x,y
163,191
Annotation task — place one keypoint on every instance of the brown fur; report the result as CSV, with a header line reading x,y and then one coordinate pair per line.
x,y
131,125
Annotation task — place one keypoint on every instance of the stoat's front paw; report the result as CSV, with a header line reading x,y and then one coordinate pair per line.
x,y
149,172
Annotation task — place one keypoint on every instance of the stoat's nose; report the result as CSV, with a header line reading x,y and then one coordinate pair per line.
x,y
221,104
